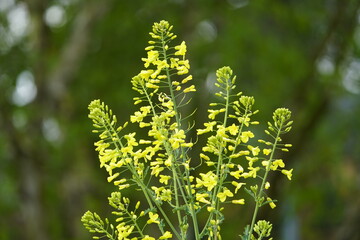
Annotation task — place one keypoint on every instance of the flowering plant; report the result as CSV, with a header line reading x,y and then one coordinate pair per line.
x,y
160,166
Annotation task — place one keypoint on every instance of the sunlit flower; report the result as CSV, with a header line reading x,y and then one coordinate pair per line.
x,y
254,150
224,194
245,136
164,179
151,58
277,163
288,173
201,197
239,201
153,218
237,185
181,49
271,202
166,235
233,129
208,180
266,151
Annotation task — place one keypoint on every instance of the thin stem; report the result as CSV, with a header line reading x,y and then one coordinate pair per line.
x,y
167,219
135,223
260,192
177,117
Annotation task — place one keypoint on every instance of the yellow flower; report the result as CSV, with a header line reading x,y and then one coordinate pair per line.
x,y
164,179
277,163
223,195
153,218
185,80
169,104
265,163
245,136
166,235
177,138
251,160
244,120
165,195
237,185
237,174
157,190
209,127
124,231
241,153
145,74
185,63
182,70
221,132
266,151
190,89
121,181
239,201
142,124
271,202
208,180
112,177
213,113
254,150
181,49
205,157
161,64
174,62
251,173
210,209
233,129
152,57
201,198
288,173
156,170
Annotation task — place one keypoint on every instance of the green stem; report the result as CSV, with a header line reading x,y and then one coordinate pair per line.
x,y
177,117
135,223
260,192
221,175
167,219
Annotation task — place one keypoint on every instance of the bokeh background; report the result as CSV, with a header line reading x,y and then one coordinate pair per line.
x,y
58,55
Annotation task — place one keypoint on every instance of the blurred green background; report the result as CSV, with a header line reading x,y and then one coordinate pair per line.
x,y
58,55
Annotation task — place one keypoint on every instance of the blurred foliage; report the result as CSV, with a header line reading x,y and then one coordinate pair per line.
x,y
58,55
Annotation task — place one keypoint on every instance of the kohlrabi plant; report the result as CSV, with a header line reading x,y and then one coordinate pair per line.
x,y
183,194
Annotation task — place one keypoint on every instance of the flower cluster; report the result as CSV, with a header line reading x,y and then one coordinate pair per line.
x,y
159,164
